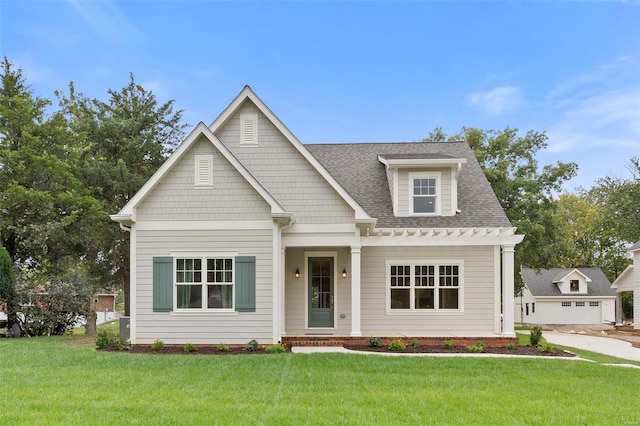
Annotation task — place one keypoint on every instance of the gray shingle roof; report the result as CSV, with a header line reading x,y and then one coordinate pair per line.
x,y
634,247
541,284
357,169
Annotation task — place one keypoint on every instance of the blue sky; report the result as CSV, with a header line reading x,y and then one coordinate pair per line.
x,y
359,71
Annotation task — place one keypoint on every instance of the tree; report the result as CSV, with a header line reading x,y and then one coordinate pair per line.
x,y
125,140
525,191
7,285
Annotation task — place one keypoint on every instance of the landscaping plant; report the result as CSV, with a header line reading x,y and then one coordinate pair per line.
x,y
535,335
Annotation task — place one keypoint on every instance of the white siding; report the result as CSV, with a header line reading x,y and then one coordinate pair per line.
x,y
176,197
404,190
478,287
204,328
636,292
276,163
552,311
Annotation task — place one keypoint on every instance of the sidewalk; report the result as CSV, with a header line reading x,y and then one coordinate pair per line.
x,y
603,345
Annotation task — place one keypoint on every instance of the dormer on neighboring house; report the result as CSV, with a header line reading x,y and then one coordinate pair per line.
x,y
423,184
574,282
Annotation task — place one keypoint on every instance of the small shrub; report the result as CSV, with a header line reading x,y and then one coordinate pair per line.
x,y
275,349
414,343
374,342
252,345
102,339
223,348
448,343
478,347
158,345
397,345
190,347
546,347
535,335
511,346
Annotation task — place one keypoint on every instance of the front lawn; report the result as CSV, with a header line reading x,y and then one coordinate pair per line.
x,y
61,381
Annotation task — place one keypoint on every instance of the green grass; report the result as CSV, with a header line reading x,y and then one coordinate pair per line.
x,y
59,381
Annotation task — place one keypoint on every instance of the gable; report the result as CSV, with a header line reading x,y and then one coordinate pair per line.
x,y
283,170
543,283
185,193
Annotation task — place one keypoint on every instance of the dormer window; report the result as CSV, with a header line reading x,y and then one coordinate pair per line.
x,y
424,193
574,285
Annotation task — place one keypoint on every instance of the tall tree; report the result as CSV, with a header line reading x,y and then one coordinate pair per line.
x,y
125,140
525,190
7,284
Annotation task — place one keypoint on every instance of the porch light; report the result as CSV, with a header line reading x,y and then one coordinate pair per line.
x,y
297,273
344,272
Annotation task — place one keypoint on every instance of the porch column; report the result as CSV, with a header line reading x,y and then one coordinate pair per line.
x,y
508,299
355,291
283,287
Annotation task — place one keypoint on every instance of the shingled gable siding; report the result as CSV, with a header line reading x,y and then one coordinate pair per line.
x,y
478,299
177,197
404,190
204,328
285,172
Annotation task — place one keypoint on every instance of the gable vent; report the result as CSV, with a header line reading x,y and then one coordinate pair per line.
x,y
204,170
248,129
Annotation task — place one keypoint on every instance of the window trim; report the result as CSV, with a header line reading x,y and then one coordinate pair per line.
x,y
203,256
438,198
412,264
577,289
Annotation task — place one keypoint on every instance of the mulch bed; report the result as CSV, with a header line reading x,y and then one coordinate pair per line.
x,y
239,350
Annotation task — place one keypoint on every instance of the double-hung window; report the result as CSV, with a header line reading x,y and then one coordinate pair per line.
x,y
424,189
204,283
414,286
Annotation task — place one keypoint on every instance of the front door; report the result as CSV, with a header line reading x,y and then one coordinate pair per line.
x,y
320,292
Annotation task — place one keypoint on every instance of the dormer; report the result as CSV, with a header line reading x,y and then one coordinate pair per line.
x,y
574,282
423,184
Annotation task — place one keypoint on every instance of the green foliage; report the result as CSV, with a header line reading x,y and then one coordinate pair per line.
x,y
53,308
7,275
535,335
414,343
448,343
105,339
252,345
511,346
375,342
397,345
478,347
275,349
157,345
223,348
546,347
190,347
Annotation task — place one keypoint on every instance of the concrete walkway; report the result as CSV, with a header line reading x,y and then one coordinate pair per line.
x,y
602,345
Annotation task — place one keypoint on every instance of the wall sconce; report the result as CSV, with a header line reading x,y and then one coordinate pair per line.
x,y
344,272
297,273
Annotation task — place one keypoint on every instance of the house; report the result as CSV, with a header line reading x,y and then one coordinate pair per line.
x,y
105,306
245,233
629,280
566,296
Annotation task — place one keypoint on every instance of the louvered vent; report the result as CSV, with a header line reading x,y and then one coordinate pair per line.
x,y
204,170
249,129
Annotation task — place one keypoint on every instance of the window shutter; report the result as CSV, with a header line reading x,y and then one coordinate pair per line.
x,y
249,129
162,284
246,283
204,170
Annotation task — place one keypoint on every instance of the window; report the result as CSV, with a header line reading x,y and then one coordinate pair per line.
x,y
580,304
566,304
526,309
594,304
424,193
575,285
204,283
424,287
533,308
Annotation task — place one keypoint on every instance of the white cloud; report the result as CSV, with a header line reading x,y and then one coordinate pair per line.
x,y
105,19
498,101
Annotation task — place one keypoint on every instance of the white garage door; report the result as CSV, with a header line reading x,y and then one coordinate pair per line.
x,y
582,313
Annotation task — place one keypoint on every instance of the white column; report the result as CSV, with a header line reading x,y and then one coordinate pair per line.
x,y
283,280
508,299
355,291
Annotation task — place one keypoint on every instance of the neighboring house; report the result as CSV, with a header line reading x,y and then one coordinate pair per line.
x,y
566,296
105,307
245,233
629,280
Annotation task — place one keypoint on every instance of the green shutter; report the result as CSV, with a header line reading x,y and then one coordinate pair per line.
x,y
162,284
246,283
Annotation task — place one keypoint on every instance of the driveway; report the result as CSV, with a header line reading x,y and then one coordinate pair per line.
x,y
603,345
